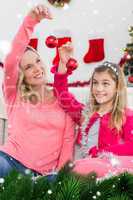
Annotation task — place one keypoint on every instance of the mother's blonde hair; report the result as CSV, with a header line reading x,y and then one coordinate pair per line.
x,y
26,91
120,100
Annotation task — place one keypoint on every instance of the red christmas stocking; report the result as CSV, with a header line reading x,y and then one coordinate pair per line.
x,y
95,52
33,43
61,41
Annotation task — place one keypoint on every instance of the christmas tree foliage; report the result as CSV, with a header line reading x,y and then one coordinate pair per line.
x,y
127,60
66,186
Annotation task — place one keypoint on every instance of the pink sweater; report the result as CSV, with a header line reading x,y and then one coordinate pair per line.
x,y
108,140
40,136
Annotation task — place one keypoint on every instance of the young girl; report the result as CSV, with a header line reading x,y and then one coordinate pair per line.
x,y
106,124
40,133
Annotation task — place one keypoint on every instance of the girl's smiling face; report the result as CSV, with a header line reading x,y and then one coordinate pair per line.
x,y
103,88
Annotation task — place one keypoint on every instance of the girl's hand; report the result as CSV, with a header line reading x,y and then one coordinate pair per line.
x,y
65,53
40,12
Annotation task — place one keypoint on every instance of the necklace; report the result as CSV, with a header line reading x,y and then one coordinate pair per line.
x,y
84,147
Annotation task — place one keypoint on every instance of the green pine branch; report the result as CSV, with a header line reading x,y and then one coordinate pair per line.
x,y
67,186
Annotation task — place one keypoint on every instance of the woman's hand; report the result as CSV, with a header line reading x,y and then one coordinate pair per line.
x,y
65,53
40,12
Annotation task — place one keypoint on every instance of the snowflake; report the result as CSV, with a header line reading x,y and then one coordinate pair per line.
x,y
49,191
2,180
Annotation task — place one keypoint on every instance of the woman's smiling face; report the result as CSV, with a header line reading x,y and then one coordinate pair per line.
x,y
33,68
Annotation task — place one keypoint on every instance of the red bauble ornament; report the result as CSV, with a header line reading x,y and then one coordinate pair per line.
x,y
51,41
71,65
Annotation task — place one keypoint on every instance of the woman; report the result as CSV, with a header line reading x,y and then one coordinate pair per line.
x,y
40,133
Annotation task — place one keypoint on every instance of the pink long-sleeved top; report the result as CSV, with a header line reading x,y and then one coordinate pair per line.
x,y
41,136
108,139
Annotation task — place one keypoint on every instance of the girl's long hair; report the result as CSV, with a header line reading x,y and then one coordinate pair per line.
x,y
27,94
120,99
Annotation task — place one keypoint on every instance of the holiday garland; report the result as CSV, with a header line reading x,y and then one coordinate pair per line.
x,y
75,84
84,130
67,186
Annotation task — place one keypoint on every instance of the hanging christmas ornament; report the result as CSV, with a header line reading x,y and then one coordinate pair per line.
x,y
71,65
130,30
59,3
124,49
51,41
